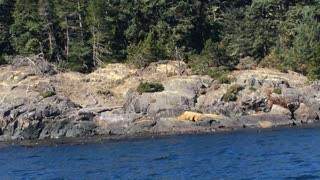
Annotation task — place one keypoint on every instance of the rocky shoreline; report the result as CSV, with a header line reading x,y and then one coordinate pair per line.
x,y
106,139
40,103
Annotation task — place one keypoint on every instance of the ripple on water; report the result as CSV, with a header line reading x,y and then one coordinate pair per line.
x,y
164,158
303,177
285,154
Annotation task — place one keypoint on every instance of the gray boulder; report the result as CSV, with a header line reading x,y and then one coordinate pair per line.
x,y
170,125
254,103
306,114
265,120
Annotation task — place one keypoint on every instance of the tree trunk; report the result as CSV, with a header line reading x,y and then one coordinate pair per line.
x,y
79,14
94,47
67,39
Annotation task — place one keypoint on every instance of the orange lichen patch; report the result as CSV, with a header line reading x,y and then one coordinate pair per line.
x,y
265,124
192,116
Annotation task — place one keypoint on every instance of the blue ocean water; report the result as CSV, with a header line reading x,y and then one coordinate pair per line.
x,y
278,154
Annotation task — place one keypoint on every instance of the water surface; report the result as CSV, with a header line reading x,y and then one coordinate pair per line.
x,y
279,154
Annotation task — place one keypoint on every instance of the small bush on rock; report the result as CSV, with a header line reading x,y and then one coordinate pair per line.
x,y
216,73
228,96
253,89
226,79
314,72
274,60
2,60
277,91
221,75
236,88
47,94
232,92
149,87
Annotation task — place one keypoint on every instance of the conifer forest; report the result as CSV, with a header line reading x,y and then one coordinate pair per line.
x,y
81,35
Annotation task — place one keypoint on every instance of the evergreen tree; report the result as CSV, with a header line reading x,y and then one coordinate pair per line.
x,y
81,34
146,51
107,32
72,16
252,31
50,30
6,19
303,54
215,55
28,35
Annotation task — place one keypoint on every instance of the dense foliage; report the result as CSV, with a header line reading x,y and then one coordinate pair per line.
x,y
83,34
149,87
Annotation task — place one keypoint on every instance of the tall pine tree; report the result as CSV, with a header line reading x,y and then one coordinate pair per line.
x,y
28,34
6,19
72,16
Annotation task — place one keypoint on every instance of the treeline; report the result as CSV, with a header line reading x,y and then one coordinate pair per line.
x,y
82,34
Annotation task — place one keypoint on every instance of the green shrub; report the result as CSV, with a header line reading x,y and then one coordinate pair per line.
x,y
221,75
228,96
216,73
49,93
253,89
314,72
232,92
274,60
236,88
277,91
287,83
226,79
232,79
2,60
149,87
